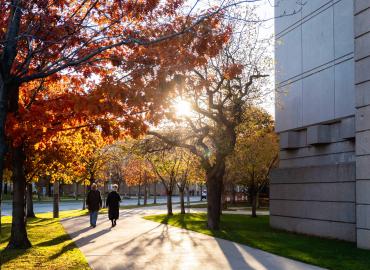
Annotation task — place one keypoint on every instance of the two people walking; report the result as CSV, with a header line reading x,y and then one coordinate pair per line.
x,y
94,203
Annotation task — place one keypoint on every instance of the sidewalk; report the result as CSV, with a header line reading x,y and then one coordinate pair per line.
x,y
141,244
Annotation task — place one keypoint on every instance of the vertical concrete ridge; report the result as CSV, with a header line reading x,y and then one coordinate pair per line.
x,y
362,90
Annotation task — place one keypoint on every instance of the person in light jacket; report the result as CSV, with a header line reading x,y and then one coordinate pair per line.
x,y
113,201
94,203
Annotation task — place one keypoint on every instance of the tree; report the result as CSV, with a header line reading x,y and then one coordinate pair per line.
x,y
190,172
219,93
255,154
137,172
42,42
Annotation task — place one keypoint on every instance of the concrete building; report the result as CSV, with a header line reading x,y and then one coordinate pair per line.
x,y
322,185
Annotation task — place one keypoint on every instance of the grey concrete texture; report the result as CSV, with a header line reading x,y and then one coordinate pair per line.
x,y
333,173
363,191
347,128
363,216
286,7
318,134
362,118
361,5
362,22
362,93
363,142
136,243
363,168
362,46
335,158
290,140
327,211
361,68
363,239
330,229
312,52
343,146
333,192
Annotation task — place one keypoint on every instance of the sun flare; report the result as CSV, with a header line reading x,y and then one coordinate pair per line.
x,y
183,108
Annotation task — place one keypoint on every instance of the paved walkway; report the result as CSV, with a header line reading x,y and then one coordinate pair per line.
x,y
136,243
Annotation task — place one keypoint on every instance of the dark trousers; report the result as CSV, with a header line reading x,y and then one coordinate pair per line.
x,y
93,217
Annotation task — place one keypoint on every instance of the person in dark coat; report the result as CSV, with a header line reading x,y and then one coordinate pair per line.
x,y
113,201
94,203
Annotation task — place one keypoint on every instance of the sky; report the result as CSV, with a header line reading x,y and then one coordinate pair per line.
x,y
265,11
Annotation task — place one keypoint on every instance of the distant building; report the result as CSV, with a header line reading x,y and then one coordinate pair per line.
x,y
322,185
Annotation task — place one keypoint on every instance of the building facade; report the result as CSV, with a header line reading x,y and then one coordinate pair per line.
x,y
322,184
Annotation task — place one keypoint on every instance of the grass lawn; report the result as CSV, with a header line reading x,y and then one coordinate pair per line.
x,y
256,232
52,247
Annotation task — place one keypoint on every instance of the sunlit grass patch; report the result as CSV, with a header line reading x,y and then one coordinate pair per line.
x,y
256,232
52,248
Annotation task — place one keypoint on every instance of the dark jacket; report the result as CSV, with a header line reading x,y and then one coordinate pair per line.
x,y
93,200
113,201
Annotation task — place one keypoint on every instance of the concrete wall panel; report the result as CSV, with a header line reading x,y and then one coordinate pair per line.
x,y
318,97
363,191
317,40
361,71
309,151
362,93
315,174
335,158
343,28
344,89
329,211
311,6
328,192
363,238
362,118
286,7
363,143
361,5
288,54
338,230
362,46
289,107
363,216
362,23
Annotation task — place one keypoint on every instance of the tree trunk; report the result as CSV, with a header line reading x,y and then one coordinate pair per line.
x,y
155,193
214,190
38,193
233,195
223,198
84,199
5,188
49,189
253,198
29,202
182,200
138,196
254,204
104,193
18,236
169,203
129,191
145,193
56,200
188,198
3,145
76,191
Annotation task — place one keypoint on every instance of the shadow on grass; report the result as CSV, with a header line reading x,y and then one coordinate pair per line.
x,y
7,255
55,241
65,249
